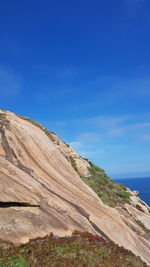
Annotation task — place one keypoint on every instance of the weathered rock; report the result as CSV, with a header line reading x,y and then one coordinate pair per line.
x,y
70,154
40,193
137,202
138,215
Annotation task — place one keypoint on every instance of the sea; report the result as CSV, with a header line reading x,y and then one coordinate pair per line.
x,y
140,184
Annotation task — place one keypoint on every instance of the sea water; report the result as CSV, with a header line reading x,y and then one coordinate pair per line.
x,y
140,184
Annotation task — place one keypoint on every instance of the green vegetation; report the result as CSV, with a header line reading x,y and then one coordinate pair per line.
x,y
17,262
110,193
81,249
73,163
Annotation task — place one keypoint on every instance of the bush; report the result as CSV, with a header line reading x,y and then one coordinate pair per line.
x,y
109,192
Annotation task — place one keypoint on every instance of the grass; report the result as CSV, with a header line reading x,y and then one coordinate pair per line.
x,y
111,193
81,249
17,262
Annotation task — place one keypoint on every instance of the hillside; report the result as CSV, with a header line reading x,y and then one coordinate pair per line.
x,y
81,249
42,193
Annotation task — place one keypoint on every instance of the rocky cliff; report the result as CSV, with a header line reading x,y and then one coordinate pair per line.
x,y
40,192
78,163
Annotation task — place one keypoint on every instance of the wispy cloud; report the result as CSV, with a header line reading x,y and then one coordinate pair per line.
x,y
76,145
88,137
118,88
145,137
132,7
136,87
112,141
66,73
86,150
134,3
117,126
140,125
10,83
103,90
106,127
116,132
54,92
106,121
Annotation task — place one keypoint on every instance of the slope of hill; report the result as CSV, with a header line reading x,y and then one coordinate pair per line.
x,y
42,193
79,250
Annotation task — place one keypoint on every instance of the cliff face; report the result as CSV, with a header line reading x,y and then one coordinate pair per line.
x,y
78,163
83,166
40,192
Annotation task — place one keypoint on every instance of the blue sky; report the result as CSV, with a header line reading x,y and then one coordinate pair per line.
x,y
82,69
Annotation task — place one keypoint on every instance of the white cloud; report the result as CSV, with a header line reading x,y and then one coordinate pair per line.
x,y
88,137
84,150
105,121
129,128
141,125
110,127
116,132
76,145
107,127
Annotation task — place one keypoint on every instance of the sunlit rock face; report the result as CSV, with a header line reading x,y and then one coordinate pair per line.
x,y
40,192
137,202
80,164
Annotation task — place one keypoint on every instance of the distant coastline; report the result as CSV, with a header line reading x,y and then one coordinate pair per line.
x,y
135,177
141,184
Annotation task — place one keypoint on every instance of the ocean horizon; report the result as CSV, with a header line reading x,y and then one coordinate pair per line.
x,y
141,184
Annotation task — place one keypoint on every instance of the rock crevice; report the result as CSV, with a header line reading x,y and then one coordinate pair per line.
x,y
16,204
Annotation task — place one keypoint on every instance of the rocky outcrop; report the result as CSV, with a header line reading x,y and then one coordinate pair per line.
x,y
40,193
78,163
137,202
139,216
82,168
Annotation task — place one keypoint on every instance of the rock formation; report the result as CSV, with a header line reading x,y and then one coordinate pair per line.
x,y
70,154
40,193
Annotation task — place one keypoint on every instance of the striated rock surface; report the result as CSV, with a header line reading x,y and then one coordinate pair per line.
x,y
137,202
40,193
80,164
138,215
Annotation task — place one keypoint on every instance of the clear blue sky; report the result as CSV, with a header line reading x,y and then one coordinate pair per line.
x,y
82,68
